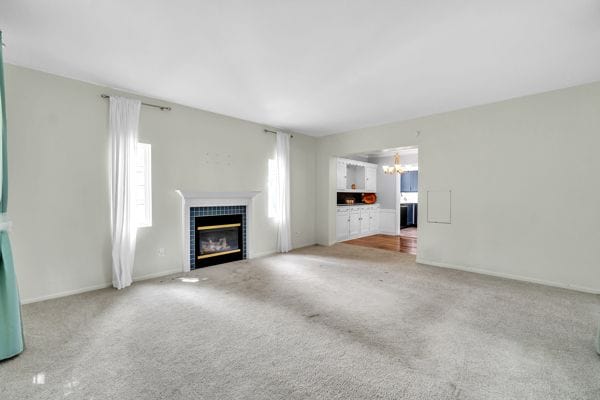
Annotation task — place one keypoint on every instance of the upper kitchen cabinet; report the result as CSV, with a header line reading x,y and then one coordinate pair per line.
x,y
355,176
415,182
404,182
361,175
409,181
341,175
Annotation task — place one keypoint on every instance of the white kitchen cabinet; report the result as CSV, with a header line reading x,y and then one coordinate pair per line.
x,y
370,178
341,175
355,226
356,221
361,174
364,221
342,225
355,176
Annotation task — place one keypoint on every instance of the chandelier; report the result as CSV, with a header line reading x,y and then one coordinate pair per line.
x,y
396,168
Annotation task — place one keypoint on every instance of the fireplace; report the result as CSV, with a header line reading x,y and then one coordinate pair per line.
x,y
218,239
213,204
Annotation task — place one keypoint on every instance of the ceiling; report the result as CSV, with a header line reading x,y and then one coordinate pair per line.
x,y
403,151
316,67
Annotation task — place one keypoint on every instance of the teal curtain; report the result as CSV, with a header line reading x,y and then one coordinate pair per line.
x,y
11,328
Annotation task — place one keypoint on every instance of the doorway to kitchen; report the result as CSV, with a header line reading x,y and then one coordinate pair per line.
x,y
390,206
407,199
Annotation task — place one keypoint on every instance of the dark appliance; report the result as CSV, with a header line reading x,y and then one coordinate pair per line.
x,y
408,215
403,215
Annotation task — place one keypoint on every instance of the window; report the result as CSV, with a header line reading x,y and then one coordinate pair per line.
x,y
272,189
143,185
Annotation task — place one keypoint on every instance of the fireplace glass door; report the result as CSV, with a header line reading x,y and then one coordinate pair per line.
x,y
218,239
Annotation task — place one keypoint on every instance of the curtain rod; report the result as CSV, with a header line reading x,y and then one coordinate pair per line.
x,y
268,131
162,108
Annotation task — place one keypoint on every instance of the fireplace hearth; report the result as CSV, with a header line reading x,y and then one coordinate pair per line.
x,y
219,239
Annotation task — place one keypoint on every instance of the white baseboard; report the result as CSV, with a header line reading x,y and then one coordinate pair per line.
x,y
65,293
510,276
135,279
302,245
271,252
97,287
157,275
262,254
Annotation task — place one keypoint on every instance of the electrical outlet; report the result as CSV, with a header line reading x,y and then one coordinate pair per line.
x,y
161,251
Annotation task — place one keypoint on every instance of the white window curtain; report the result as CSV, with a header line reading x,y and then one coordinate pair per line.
x,y
282,153
124,119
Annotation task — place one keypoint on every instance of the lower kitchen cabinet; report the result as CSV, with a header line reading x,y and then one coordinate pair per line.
x,y
356,221
342,225
354,228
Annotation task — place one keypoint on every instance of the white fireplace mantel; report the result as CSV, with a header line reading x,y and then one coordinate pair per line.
x,y
191,199
188,195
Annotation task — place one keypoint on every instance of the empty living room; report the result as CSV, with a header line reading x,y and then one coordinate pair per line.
x,y
277,199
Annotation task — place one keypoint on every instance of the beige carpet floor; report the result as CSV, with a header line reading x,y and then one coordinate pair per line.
x,y
343,322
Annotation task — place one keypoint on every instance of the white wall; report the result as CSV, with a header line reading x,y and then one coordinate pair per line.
x,y
408,160
58,199
542,148
59,196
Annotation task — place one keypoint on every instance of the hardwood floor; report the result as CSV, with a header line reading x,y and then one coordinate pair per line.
x,y
405,243
409,232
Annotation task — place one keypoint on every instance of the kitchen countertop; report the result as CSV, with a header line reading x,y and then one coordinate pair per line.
x,y
357,204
